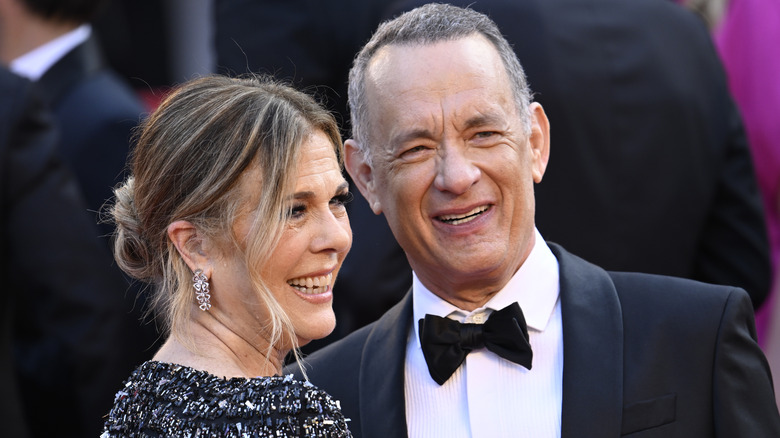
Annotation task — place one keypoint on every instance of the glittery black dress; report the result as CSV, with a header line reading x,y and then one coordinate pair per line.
x,y
167,400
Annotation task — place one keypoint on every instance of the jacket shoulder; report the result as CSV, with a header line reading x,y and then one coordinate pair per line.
x,y
672,295
336,355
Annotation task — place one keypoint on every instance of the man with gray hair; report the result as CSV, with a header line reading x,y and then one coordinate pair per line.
x,y
503,334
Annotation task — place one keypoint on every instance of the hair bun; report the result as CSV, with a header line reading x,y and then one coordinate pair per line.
x,y
131,247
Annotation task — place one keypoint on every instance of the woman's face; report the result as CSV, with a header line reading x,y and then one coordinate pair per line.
x,y
316,237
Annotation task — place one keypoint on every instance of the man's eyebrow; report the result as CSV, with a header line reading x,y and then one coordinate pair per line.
x,y
412,134
475,121
481,119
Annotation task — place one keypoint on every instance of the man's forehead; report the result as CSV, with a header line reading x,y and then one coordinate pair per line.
x,y
398,60
417,97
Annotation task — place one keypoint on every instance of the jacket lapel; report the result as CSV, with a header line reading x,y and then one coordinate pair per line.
x,y
592,350
592,370
381,381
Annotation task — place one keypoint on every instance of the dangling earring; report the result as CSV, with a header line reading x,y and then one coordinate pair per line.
x,y
201,284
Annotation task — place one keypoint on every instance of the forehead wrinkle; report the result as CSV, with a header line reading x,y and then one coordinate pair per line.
x,y
412,125
326,157
314,166
483,118
412,134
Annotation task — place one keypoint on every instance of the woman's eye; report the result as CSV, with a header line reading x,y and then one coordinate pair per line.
x,y
296,211
342,199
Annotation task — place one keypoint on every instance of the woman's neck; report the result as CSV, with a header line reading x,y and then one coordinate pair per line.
x,y
223,351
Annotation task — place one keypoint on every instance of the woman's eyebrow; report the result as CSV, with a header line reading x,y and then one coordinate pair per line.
x,y
343,187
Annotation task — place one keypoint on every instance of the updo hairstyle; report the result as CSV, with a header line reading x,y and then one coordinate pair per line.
x,y
189,158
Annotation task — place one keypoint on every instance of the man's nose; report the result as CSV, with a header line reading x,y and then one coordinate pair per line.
x,y
455,171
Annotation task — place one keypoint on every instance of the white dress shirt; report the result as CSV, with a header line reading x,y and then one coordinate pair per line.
x,y
38,61
489,396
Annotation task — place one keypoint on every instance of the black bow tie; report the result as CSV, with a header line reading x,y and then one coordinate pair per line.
x,y
445,342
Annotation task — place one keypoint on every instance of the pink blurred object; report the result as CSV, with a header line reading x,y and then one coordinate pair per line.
x,y
748,41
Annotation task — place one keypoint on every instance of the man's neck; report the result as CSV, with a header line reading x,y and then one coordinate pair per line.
x,y
472,290
28,32
467,299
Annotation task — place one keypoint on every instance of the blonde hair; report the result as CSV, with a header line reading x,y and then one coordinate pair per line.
x,y
187,164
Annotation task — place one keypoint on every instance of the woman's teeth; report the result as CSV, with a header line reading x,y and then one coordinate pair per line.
x,y
457,219
311,285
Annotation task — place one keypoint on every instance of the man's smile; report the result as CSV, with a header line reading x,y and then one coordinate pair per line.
x,y
457,219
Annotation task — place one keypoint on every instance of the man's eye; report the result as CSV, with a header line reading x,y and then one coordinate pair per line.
x,y
415,150
485,134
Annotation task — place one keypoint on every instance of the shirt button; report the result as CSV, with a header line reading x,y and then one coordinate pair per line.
x,y
478,318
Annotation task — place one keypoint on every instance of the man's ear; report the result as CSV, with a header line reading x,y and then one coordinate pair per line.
x,y
539,141
362,174
190,246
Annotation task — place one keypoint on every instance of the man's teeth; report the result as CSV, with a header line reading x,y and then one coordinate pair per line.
x,y
456,219
311,285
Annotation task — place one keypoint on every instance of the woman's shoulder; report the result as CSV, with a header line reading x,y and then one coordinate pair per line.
x,y
167,399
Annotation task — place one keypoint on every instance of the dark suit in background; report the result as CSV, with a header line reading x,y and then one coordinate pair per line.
x,y
650,169
59,302
70,358
95,111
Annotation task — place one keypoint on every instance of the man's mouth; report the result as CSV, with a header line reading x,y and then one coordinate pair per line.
x,y
311,285
457,219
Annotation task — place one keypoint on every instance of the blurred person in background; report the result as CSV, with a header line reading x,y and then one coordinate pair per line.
x,y
63,345
51,42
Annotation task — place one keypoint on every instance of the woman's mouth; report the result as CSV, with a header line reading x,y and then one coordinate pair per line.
x,y
312,285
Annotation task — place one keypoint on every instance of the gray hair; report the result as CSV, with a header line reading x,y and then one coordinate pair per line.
x,y
430,24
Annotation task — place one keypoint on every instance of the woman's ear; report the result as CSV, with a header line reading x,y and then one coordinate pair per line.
x,y
190,245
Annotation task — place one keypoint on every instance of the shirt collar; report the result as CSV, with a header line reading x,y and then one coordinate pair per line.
x,y
36,62
535,287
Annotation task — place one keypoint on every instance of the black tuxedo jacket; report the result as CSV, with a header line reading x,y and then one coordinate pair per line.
x,y
645,354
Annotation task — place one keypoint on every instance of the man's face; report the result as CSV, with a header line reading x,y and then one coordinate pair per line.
x,y
452,168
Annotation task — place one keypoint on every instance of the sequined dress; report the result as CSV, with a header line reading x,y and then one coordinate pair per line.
x,y
161,399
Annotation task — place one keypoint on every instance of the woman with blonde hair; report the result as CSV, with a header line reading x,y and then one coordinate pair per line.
x,y
234,213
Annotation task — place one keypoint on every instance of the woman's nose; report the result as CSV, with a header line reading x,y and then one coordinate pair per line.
x,y
335,233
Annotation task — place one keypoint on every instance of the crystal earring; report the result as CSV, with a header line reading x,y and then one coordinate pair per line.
x,y
201,284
